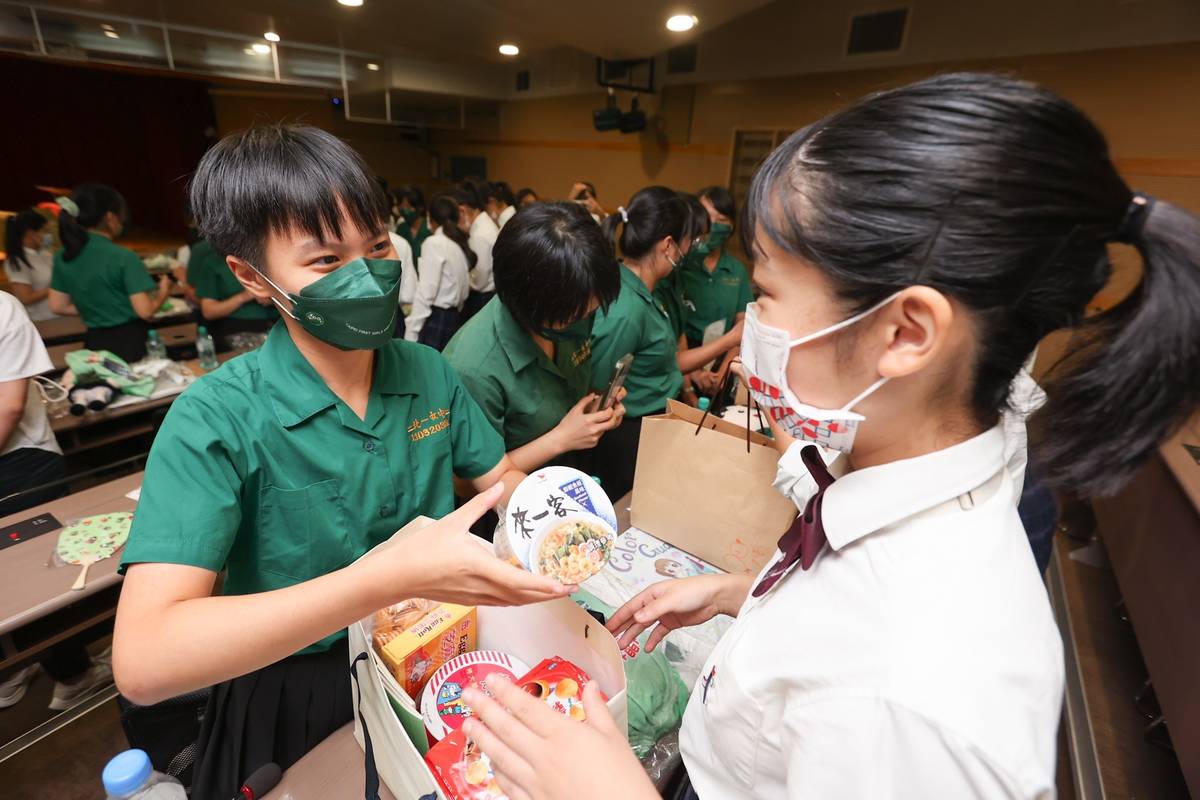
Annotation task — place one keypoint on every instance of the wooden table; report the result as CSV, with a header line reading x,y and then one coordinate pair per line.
x,y
171,335
65,330
34,588
333,770
1151,530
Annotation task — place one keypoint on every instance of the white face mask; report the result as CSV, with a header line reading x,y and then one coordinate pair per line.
x,y
765,354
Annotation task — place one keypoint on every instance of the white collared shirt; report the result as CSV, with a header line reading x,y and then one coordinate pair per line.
x,y
408,268
36,272
24,357
508,213
483,235
442,281
917,658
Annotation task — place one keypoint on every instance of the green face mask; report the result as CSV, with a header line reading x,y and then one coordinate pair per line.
x,y
572,344
718,235
352,308
408,214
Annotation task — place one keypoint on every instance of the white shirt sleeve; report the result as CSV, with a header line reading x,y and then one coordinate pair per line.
x,y
16,275
481,276
408,269
428,279
858,747
24,353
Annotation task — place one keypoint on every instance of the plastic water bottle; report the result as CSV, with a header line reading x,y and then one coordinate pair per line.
x,y
155,347
206,350
129,776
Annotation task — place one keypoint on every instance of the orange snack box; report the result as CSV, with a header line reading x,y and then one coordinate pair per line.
x,y
414,654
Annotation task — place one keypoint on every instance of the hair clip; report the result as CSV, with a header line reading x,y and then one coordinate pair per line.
x,y
624,214
68,205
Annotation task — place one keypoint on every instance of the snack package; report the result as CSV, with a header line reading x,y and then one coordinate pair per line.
x,y
572,549
390,622
463,771
559,683
414,653
442,706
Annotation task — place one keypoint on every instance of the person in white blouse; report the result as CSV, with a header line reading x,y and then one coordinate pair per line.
x,y
408,279
901,644
482,231
500,203
443,281
29,263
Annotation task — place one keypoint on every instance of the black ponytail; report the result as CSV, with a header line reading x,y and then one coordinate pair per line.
x,y
14,235
699,222
1136,378
92,201
1003,196
444,211
653,214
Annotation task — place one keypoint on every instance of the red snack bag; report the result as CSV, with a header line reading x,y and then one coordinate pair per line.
x,y
463,771
559,683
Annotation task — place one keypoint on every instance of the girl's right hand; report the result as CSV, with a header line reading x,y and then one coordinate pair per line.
x,y
679,603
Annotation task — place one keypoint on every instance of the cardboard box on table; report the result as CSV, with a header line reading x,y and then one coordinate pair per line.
x,y
704,493
530,633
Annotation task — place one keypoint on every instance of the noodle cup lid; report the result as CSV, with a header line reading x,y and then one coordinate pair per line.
x,y
442,706
573,548
549,494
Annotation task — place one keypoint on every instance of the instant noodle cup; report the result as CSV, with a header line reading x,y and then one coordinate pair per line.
x,y
572,548
442,706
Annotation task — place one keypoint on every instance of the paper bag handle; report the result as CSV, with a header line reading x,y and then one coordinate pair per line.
x,y
371,790
722,391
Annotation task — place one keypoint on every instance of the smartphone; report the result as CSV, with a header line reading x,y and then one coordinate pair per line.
x,y
620,373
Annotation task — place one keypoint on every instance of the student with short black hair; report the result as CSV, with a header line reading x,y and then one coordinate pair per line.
x,y
651,233
501,205
94,278
283,467
526,357
482,232
30,262
443,277
414,222
526,197
713,279
911,250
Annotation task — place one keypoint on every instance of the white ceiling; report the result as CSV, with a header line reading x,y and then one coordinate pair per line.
x,y
466,29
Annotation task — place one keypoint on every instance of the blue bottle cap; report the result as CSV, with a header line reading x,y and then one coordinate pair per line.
x,y
201,330
704,403
126,773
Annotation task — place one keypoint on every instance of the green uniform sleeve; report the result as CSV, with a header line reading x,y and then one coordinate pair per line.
x,y
58,277
488,396
190,506
478,448
202,276
616,335
134,274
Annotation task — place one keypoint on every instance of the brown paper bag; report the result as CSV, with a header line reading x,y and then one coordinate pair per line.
x,y
705,494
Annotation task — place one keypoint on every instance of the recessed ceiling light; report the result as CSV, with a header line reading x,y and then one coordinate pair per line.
x,y
261,49
681,22
351,2
112,34
271,36
106,26
373,67
249,52
509,50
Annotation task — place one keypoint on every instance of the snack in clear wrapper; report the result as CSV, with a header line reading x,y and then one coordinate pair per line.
x,y
572,549
390,622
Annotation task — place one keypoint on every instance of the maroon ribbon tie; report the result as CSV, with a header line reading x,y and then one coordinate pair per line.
x,y
806,536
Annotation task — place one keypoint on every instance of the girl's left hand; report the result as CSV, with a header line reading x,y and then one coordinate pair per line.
x,y
530,747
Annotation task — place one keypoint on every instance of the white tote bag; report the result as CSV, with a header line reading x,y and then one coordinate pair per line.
x,y
530,633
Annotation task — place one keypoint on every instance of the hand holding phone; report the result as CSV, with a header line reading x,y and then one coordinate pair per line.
x,y
620,373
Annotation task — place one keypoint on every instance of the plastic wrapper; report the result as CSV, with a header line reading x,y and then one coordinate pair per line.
x,y
663,760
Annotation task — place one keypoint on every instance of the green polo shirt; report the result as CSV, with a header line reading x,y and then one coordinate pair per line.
x,y
721,294
211,277
414,240
669,294
636,323
261,470
522,392
100,281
